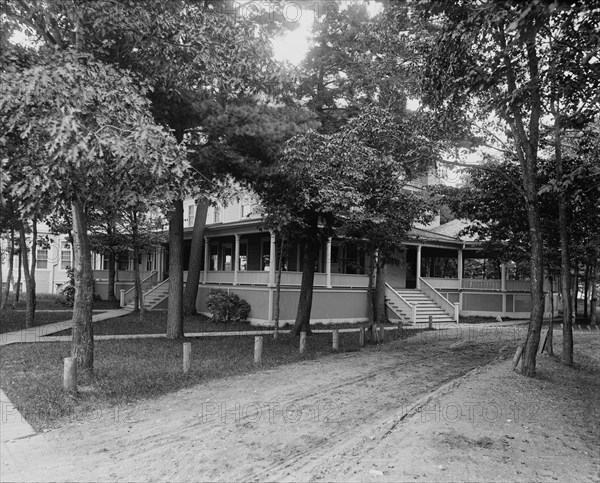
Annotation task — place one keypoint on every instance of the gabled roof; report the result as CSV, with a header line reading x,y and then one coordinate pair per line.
x,y
453,228
445,234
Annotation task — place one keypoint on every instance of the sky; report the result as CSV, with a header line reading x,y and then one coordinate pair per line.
x,y
294,45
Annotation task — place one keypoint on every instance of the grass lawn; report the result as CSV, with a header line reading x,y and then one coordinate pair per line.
x,y
12,320
49,309
155,322
128,370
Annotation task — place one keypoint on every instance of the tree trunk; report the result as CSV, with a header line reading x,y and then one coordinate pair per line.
x,y
594,300
11,263
311,252
17,285
29,281
278,287
83,334
196,256
550,341
586,291
111,276
111,264
371,290
574,293
379,296
526,150
537,291
138,304
175,301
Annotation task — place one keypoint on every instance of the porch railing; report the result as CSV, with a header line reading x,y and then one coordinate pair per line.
x,y
121,275
294,279
408,308
154,288
443,283
519,285
147,283
481,284
252,277
451,309
349,280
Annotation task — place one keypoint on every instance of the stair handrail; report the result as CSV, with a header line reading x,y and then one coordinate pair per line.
x,y
451,309
411,309
129,295
150,281
156,287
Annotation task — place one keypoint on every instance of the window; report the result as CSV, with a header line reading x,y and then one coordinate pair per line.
x,y
217,215
123,261
150,261
214,257
42,258
246,206
106,261
243,261
191,215
65,255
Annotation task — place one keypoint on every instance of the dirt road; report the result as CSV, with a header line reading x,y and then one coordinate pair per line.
x,y
349,417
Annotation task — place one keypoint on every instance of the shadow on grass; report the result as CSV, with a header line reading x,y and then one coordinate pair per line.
x,y
128,370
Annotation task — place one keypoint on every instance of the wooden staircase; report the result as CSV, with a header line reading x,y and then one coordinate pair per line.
x,y
409,304
153,296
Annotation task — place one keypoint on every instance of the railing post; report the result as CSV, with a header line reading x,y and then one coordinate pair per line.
x,y
122,298
413,315
456,311
418,267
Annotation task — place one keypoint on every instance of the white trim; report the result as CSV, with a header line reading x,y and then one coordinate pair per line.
x,y
266,323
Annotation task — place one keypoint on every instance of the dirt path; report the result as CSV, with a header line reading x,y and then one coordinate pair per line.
x,y
350,417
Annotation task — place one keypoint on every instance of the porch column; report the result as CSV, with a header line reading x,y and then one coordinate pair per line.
x,y
206,260
460,278
419,267
460,268
503,286
272,261
236,263
328,262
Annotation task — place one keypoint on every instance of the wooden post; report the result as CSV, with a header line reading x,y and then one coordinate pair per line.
x,y
517,357
70,374
381,332
258,345
361,337
430,322
335,339
302,342
187,357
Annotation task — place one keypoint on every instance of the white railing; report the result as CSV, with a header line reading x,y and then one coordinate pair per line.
x,y
290,278
394,296
451,309
518,285
481,284
156,287
320,280
221,277
147,283
261,277
120,275
253,277
443,283
349,280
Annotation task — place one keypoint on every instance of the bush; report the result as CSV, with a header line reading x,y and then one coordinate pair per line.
x,y
225,306
66,292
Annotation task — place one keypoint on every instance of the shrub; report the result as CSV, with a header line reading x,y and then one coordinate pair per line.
x,y
66,292
225,306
